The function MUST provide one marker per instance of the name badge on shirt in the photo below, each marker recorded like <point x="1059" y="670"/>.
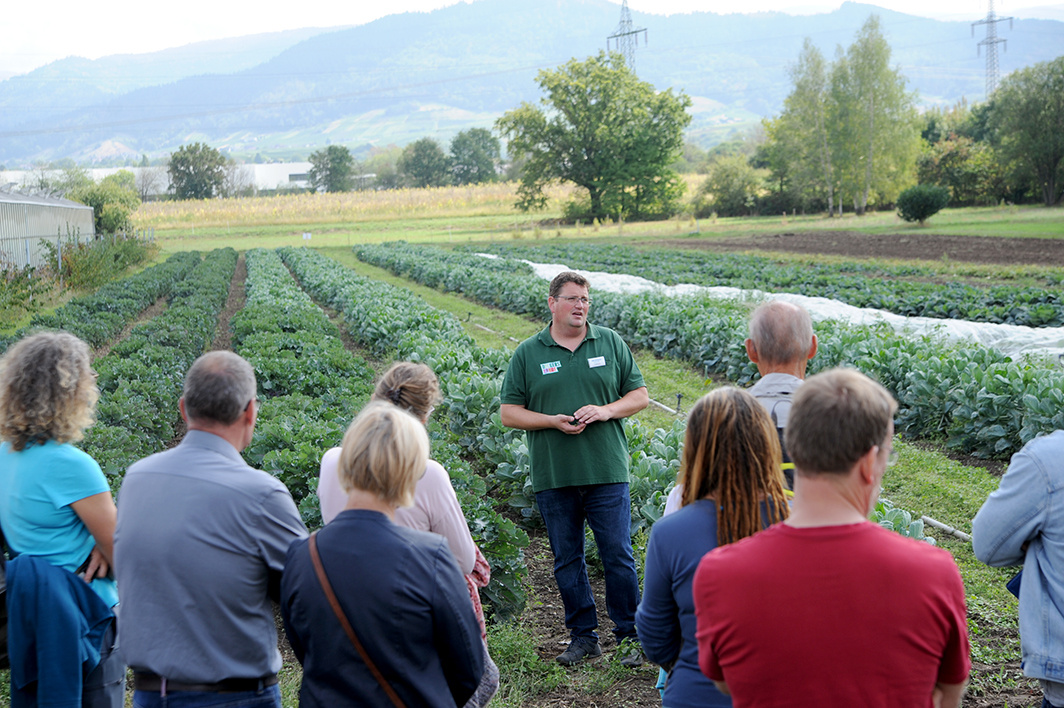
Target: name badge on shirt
<point x="550" y="367"/>
<point x="596" y="361"/>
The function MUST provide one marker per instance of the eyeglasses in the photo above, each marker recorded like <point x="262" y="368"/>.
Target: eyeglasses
<point x="257" y="402"/>
<point x="892" y="456"/>
<point x="573" y="299"/>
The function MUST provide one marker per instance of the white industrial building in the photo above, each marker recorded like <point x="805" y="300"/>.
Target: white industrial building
<point x="27" y="222"/>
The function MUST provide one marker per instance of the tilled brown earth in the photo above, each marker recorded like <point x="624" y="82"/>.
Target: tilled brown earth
<point x="909" y="246"/>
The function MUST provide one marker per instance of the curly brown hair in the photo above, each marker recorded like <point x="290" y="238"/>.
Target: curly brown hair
<point x="47" y="390"/>
<point x="732" y="453"/>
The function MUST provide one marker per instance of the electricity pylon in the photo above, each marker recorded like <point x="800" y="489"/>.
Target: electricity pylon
<point x="626" y="38"/>
<point x="991" y="42"/>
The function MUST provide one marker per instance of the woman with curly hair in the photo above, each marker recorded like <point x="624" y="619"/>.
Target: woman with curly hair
<point x="56" y="508"/>
<point x="732" y="488"/>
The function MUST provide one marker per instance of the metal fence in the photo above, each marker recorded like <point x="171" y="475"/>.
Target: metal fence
<point x="27" y="223"/>
<point x="17" y="253"/>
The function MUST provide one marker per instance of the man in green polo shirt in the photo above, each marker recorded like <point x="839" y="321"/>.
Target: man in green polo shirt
<point x="569" y="387"/>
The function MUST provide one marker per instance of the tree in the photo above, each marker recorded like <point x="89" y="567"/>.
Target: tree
<point x="332" y="169"/>
<point x="969" y="169"/>
<point x="424" y="164"/>
<point x="113" y="200"/>
<point x="381" y="164"/>
<point x="604" y="130"/>
<point x="730" y="189"/>
<point x="1027" y="119"/>
<point x="197" y="171"/>
<point x="474" y="154"/>
<point x="151" y="181"/>
<point x="875" y="126"/>
<point x="850" y="128"/>
<point x="804" y="130"/>
<point x="238" y="181"/>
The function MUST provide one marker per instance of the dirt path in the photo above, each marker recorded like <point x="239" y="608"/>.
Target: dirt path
<point x="545" y="618"/>
<point x="223" y="336"/>
<point x="909" y="246"/>
<point x="149" y="313"/>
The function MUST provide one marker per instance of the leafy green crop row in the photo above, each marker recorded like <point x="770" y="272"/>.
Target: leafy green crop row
<point x="977" y="399"/>
<point x="140" y="379"/>
<point x="99" y="317"/>
<point x="881" y="287"/>
<point x="311" y="385"/>
<point x="393" y="321"/>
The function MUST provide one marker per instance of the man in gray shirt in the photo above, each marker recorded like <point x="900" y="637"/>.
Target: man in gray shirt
<point x="781" y="343"/>
<point x="199" y="548"/>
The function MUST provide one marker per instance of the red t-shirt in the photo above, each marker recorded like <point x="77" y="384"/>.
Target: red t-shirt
<point x="840" y="616"/>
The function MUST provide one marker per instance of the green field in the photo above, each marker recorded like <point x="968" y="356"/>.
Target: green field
<point x="925" y="481"/>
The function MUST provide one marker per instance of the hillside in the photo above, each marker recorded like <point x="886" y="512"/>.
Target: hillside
<point x="414" y="74"/>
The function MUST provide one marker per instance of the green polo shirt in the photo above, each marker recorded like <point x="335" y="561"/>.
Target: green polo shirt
<point x="545" y="377"/>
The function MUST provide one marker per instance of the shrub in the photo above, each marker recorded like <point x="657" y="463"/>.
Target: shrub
<point x="730" y="189"/>
<point x="921" y="202"/>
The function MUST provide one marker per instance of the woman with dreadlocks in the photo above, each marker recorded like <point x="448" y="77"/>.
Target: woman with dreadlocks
<point x="415" y="389"/>
<point x="732" y="488"/>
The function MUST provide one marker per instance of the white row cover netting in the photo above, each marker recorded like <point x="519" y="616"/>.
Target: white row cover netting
<point x="1013" y="340"/>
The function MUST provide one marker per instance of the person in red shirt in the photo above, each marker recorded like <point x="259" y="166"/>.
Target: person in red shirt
<point x="827" y="608"/>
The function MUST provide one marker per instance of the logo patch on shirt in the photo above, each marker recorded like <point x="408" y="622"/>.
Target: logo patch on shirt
<point x="596" y="361"/>
<point x="550" y="367"/>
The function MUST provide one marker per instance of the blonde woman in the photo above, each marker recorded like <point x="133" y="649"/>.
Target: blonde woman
<point x="399" y="588"/>
<point x="414" y="388"/>
<point x="733" y="487"/>
<point x="56" y="510"/>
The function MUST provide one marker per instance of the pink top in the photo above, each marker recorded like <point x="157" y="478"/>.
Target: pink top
<point x="435" y="507"/>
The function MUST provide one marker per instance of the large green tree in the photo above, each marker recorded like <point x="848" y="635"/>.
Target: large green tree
<point x="474" y="154"/>
<point x="424" y="164"/>
<point x="601" y="128"/>
<point x="848" y="129"/>
<point x="197" y="171"/>
<point x="802" y="133"/>
<point x="1027" y="119"/>
<point x="332" y="169"/>
<point x="875" y="125"/>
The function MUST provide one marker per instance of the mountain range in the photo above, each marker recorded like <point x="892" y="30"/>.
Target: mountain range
<point x="405" y="76"/>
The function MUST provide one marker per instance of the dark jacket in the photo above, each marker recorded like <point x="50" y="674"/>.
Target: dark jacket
<point x="404" y="595"/>
<point x="56" y="626"/>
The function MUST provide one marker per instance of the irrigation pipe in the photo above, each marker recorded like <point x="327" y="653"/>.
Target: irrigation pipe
<point x="946" y="529"/>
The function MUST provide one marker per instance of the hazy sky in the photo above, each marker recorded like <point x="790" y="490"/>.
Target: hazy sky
<point x="34" y="34"/>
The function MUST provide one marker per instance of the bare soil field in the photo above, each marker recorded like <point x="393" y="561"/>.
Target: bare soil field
<point x="909" y="246"/>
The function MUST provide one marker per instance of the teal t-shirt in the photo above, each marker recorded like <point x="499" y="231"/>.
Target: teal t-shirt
<point x="37" y="486"/>
<point x="545" y="377"/>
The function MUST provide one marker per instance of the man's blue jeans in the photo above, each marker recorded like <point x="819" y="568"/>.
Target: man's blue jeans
<point x="268" y="697"/>
<point x="607" y="509"/>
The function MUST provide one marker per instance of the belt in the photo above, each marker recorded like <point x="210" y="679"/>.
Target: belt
<point x="146" y="681"/>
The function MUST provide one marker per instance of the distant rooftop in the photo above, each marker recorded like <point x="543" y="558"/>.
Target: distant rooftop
<point x="20" y="198"/>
